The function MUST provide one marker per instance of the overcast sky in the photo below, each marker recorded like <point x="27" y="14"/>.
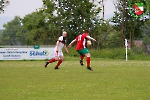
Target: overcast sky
<point x="23" y="7"/>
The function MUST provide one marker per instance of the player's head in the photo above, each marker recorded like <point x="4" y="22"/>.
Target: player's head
<point x="64" y="34"/>
<point x="86" y="31"/>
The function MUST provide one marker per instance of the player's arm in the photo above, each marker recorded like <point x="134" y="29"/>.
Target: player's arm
<point x="57" y="44"/>
<point x="66" y="48"/>
<point x="90" y="38"/>
<point x="73" y="41"/>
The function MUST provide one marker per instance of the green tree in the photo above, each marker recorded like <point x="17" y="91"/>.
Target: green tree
<point x="146" y="32"/>
<point x="106" y="36"/>
<point x="3" y="4"/>
<point x="128" y="26"/>
<point x="74" y="16"/>
<point x="13" y="33"/>
<point x="45" y="25"/>
<point x="34" y="24"/>
<point x="41" y="26"/>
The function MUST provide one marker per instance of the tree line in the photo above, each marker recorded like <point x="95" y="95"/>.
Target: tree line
<point x="46" y="24"/>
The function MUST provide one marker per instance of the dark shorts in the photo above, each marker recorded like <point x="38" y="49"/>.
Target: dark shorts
<point x="83" y="51"/>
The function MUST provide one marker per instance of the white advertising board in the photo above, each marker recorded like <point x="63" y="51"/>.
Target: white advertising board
<point x="26" y="53"/>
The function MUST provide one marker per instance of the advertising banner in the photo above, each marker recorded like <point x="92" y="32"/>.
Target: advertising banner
<point x="26" y="53"/>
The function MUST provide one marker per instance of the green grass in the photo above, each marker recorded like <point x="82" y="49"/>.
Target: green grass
<point x="110" y="80"/>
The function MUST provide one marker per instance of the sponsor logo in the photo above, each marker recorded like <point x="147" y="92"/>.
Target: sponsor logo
<point x="38" y="53"/>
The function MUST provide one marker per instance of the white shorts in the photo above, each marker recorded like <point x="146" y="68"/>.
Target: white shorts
<point x="58" y="54"/>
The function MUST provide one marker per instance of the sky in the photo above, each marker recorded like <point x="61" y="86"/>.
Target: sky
<point x="24" y="7"/>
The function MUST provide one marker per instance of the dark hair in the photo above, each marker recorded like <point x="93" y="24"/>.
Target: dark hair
<point x="86" y="31"/>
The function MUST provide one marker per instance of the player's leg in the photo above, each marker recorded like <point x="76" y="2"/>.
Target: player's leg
<point x="81" y="59"/>
<point x="88" y="60"/>
<point x="81" y="56"/>
<point x="86" y="53"/>
<point x="53" y="59"/>
<point x="61" y="58"/>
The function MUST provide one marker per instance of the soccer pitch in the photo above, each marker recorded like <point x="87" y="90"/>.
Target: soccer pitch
<point x="109" y="80"/>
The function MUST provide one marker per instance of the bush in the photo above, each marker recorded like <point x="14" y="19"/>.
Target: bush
<point x="115" y="53"/>
<point x="138" y="50"/>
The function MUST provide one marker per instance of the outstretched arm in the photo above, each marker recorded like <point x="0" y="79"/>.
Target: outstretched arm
<point x="88" y="37"/>
<point x="66" y="48"/>
<point x="73" y="41"/>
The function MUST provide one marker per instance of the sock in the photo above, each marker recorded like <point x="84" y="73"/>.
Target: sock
<point x="81" y="57"/>
<point x="88" y="61"/>
<point x="52" y="60"/>
<point x="59" y="62"/>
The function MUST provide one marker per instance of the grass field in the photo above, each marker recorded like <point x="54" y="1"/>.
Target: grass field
<point x="110" y="80"/>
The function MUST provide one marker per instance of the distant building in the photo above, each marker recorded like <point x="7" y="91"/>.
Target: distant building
<point x="139" y="43"/>
<point x="148" y="48"/>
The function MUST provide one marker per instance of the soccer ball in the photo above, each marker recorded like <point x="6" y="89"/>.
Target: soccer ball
<point x="88" y="43"/>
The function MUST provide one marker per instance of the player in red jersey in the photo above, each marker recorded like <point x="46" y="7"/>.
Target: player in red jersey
<point x="58" y="50"/>
<point x="81" y="47"/>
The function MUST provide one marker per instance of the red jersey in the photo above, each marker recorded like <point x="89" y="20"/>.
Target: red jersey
<point x="81" y="41"/>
